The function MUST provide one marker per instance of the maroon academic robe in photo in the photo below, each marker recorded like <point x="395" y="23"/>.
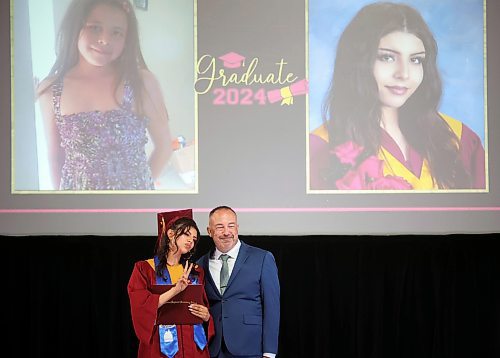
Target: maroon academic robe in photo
<point x="144" y="307"/>
<point x="414" y="170"/>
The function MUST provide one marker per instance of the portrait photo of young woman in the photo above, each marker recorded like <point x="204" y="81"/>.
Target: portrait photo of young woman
<point x="391" y="116"/>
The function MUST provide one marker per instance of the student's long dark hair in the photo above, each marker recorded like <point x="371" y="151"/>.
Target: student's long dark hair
<point x="128" y="65"/>
<point x="352" y="110"/>
<point x="179" y="227"/>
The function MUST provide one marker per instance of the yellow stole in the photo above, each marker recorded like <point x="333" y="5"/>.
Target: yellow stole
<point x="394" y="167"/>
<point x="175" y="272"/>
<point x="424" y="181"/>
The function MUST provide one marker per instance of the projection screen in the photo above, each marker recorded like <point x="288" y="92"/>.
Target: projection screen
<point x="305" y="116"/>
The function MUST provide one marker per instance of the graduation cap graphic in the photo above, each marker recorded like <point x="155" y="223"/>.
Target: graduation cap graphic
<point x="232" y="60"/>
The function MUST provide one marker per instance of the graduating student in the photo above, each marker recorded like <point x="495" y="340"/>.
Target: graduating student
<point x="177" y="238"/>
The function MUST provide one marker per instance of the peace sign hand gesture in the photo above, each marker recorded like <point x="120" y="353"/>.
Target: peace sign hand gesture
<point x="184" y="280"/>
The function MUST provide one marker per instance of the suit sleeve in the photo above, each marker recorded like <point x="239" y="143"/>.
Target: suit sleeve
<point x="143" y="304"/>
<point x="270" y="291"/>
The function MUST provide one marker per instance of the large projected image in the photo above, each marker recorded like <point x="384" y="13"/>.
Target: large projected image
<point x="103" y="96"/>
<point x="403" y="104"/>
<point x="306" y="116"/>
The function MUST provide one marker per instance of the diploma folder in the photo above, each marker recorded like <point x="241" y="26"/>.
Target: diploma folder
<point x="176" y="310"/>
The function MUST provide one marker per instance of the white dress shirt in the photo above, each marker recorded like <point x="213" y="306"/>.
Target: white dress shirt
<point x="215" y="263"/>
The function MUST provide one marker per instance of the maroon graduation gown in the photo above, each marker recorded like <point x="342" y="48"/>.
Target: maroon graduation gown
<point x="144" y="306"/>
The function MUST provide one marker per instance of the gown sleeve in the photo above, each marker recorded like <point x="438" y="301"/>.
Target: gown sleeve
<point x="318" y="162"/>
<point x="209" y="326"/>
<point x="473" y="157"/>
<point x="143" y="304"/>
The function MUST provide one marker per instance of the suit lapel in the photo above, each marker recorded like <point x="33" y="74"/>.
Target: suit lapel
<point x="208" y="274"/>
<point x="240" y="260"/>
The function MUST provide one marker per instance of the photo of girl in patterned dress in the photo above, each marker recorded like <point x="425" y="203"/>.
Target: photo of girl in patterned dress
<point x="99" y="100"/>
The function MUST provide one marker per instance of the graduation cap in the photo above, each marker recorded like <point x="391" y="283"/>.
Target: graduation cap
<point x="166" y="219"/>
<point x="232" y="60"/>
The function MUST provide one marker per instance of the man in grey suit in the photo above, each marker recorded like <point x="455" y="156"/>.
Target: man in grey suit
<point x="241" y="282"/>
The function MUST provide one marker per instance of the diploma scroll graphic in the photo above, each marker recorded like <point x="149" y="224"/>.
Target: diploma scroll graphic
<point x="286" y="94"/>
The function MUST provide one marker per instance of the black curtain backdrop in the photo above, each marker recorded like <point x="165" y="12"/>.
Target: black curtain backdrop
<point x="341" y="296"/>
